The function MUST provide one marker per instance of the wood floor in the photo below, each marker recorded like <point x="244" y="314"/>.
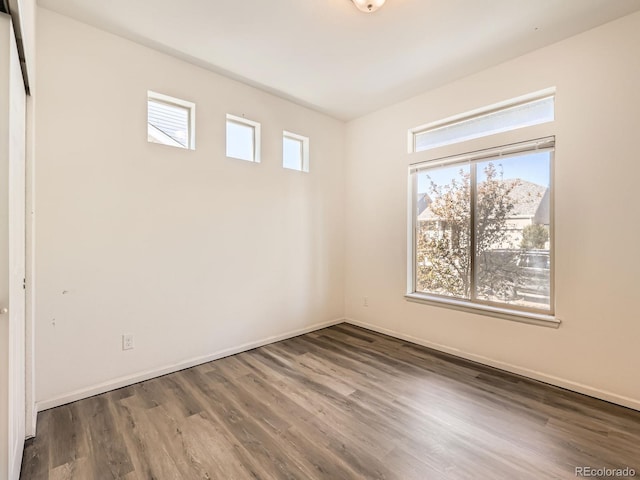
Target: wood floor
<point x="339" y="403"/>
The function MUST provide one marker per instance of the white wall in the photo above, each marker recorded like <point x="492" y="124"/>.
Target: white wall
<point x="192" y="252"/>
<point x="597" y="222"/>
<point x="197" y="254"/>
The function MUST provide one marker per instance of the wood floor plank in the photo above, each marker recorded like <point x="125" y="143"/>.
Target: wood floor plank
<point x="78" y="469"/>
<point x="341" y="403"/>
<point x="313" y="428"/>
<point x="62" y="423"/>
<point x="154" y="448"/>
<point x="130" y="417"/>
<point x="329" y="405"/>
<point x="106" y="453"/>
<point x="35" y="458"/>
<point x="251" y="435"/>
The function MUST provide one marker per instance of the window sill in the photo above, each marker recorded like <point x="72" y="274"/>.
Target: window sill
<point x="503" y="313"/>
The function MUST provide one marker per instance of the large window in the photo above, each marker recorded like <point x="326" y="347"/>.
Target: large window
<point x="481" y="236"/>
<point x="482" y="228"/>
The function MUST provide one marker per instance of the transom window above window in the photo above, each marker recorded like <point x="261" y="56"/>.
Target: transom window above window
<point x="518" y="113"/>
<point x="170" y="121"/>
<point x="243" y="139"/>
<point x="295" y="152"/>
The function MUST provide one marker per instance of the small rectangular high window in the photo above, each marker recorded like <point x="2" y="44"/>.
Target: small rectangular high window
<point x="170" y="121"/>
<point x="243" y="139"/>
<point x="295" y="152"/>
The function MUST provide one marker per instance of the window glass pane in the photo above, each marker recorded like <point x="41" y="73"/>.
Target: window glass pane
<point x="504" y="120"/>
<point x="168" y="124"/>
<point x="291" y="153"/>
<point x="443" y="224"/>
<point x="240" y="141"/>
<point x="512" y="222"/>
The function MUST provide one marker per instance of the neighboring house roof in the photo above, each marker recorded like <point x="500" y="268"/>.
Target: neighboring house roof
<point x="423" y="202"/>
<point x="156" y="135"/>
<point x="527" y="197"/>
<point x="530" y="201"/>
<point x="167" y="121"/>
<point x="543" y="214"/>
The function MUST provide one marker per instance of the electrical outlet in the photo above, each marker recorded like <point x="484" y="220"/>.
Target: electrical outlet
<point x="127" y="341"/>
<point x="365" y="302"/>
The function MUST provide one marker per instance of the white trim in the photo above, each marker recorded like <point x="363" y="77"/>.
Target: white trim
<point x="156" y="372"/>
<point x="508" y="367"/>
<point x="412" y="218"/>
<point x="487" y="310"/>
<point x="30" y="273"/>
<point x="542" y="130"/>
<point x="538" y="145"/>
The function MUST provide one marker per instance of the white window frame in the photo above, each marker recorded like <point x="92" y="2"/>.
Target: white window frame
<point x="255" y="126"/>
<point x="304" y="151"/>
<point x="176" y="102"/>
<point x="474" y="150"/>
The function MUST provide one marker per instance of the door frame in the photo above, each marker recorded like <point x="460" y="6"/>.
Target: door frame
<point x="23" y="16"/>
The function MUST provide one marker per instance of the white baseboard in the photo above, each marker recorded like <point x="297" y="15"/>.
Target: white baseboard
<point x="148" y="374"/>
<point x="157" y="372"/>
<point x="525" y="372"/>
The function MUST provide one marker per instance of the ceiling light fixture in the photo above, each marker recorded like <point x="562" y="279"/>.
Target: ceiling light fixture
<point x="368" y="6"/>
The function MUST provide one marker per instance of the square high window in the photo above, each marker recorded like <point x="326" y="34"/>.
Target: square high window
<point x="243" y="139"/>
<point x="170" y="121"/>
<point x="295" y="152"/>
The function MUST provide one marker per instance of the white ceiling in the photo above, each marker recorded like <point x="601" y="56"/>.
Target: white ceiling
<point x="327" y="55"/>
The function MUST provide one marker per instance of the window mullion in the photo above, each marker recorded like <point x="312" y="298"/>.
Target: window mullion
<point x="473" y="203"/>
<point x="414" y="230"/>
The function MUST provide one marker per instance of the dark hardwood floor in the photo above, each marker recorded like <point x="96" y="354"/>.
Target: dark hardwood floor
<point x="339" y="403"/>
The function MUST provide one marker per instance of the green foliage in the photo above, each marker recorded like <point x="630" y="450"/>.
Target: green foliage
<point x="443" y="243"/>
<point x="534" y="236"/>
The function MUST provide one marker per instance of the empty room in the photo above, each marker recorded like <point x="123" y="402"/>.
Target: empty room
<point x="328" y="239"/>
